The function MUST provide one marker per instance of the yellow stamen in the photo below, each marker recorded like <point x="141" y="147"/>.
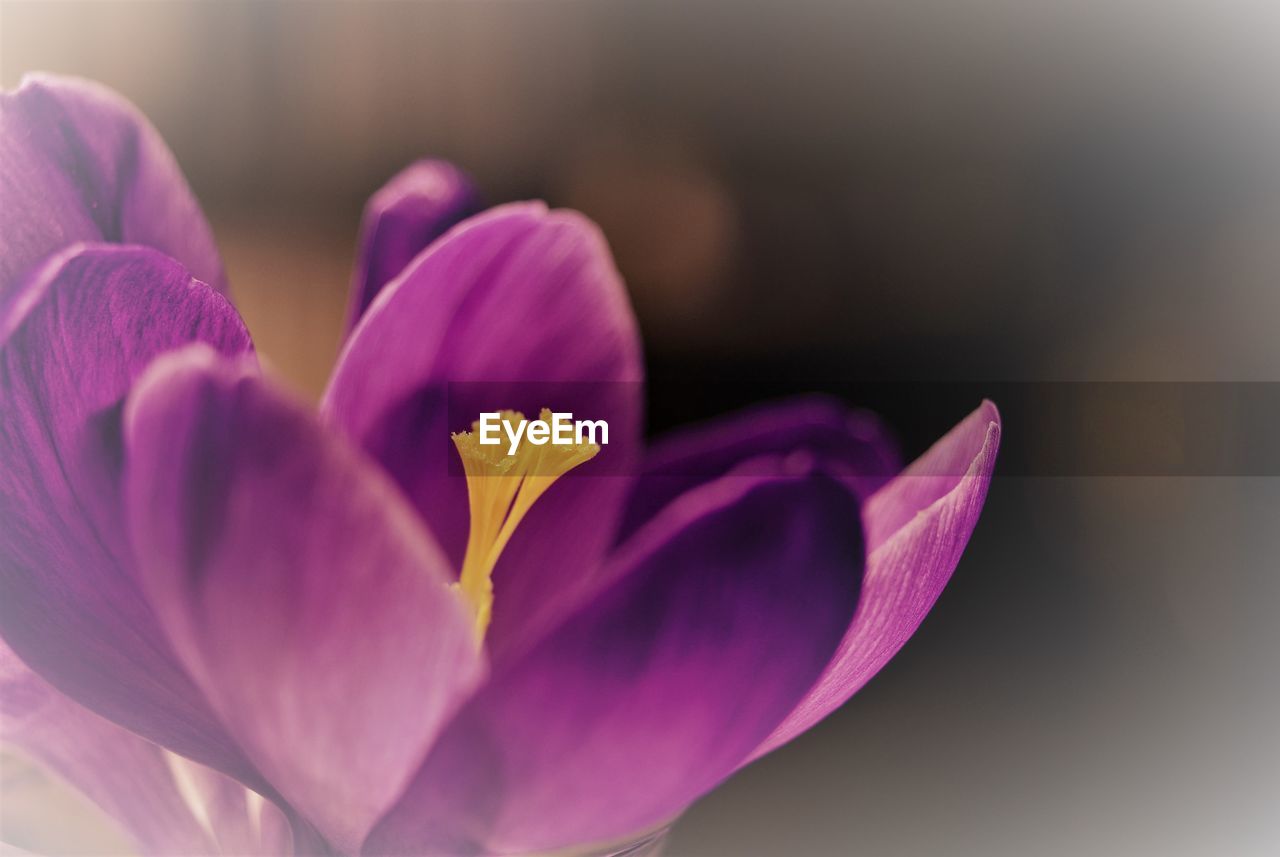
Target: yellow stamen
<point x="501" y="488"/>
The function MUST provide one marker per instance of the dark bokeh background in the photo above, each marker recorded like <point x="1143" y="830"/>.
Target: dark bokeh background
<point x="842" y="197"/>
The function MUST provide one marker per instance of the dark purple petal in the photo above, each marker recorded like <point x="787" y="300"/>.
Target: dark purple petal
<point x="728" y="606"/>
<point x="79" y="163"/>
<point x="917" y="527"/>
<point x="299" y="589"/>
<point x="409" y="212"/>
<point x="852" y="445"/>
<point x="526" y="305"/>
<point x="81" y="330"/>
<point x="123" y="774"/>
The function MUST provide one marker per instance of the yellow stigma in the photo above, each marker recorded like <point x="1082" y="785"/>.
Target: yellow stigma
<point x="501" y="488"/>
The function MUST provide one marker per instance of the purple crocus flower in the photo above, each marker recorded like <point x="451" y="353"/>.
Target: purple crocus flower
<point x="242" y="626"/>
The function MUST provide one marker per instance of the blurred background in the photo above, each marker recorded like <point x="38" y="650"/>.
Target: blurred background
<point x="911" y="205"/>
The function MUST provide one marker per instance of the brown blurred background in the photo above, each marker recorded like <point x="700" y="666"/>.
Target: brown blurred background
<point x="821" y="195"/>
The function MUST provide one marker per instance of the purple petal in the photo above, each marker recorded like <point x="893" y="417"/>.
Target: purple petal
<point x="526" y="305"/>
<point x="729" y="605"/>
<point x="917" y="527"/>
<point x="853" y="445"/>
<point x="240" y="821"/>
<point x="168" y="805"/>
<point x="409" y="212"/>
<point x="299" y="589"/>
<point x="79" y="163"/>
<point x="83" y="327"/>
<point x="123" y="774"/>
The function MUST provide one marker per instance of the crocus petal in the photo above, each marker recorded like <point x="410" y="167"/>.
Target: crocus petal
<point x="917" y="527"/>
<point x="516" y="308"/>
<point x="853" y="445"/>
<point x="79" y="163"/>
<point x="408" y="213"/>
<point x="83" y="327"/>
<point x="727" y="608"/>
<point x="299" y="589"/>
<point x="123" y="774"/>
<point x="241" y="822"/>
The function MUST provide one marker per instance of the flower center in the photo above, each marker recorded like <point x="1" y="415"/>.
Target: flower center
<point x="501" y="488"/>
